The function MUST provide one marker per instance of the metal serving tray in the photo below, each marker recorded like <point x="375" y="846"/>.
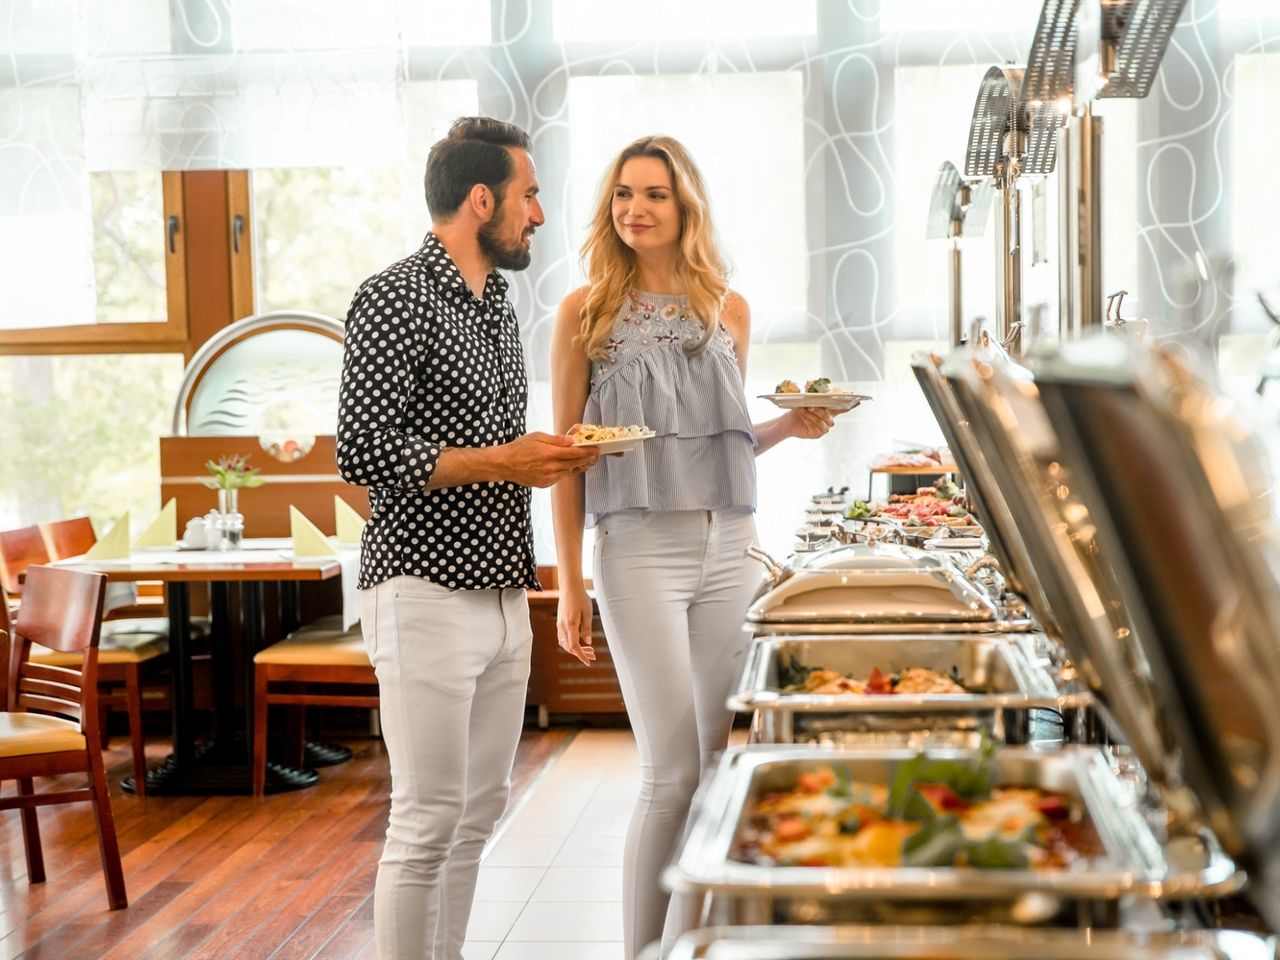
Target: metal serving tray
<point x="931" y="595"/>
<point x="1002" y="674"/>
<point x="964" y="943"/>
<point x="1137" y="864"/>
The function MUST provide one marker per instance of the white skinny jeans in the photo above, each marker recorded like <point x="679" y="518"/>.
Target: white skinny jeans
<point x="453" y="668"/>
<point x="673" y="590"/>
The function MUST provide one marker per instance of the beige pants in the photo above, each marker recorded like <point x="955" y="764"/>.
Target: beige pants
<point x="673" y="591"/>
<point x="453" y="668"/>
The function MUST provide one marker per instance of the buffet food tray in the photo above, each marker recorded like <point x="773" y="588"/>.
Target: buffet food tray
<point x="1004" y="677"/>
<point x="1136" y="863"/>
<point x="964" y="943"/>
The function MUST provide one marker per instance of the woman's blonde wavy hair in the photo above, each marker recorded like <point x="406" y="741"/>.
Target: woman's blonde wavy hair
<point x="610" y="264"/>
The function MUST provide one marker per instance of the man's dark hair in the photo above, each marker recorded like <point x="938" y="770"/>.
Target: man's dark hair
<point x="474" y="151"/>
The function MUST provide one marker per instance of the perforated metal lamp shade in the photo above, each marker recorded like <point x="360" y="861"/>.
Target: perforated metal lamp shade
<point x="1127" y="40"/>
<point x="951" y="212"/>
<point x="1007" y="127"/>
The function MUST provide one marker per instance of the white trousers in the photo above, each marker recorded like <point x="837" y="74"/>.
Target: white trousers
<point x="673" y="589"/>
<point x="453" y="669"/>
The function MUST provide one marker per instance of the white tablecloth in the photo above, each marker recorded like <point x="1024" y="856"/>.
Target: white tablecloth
<point x="262" y="550"/>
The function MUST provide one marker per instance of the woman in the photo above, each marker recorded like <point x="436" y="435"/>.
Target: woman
<point x="657" y="338"/>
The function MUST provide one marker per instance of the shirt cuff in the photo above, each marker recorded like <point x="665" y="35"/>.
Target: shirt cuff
<point x="418" y="459"/>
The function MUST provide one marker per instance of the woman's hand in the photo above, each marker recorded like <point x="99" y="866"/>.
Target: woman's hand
<point x="809" y="423"/>
<point x="573" y="623"/>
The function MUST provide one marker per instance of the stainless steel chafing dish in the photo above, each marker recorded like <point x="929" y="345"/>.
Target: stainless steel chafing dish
<point x="987" y="498"/>
<point x="872" y="593"/>
<point x="1004" y="678"/>
<point x="1175" y="481"/>
<point x="1150" y="498"/>
<point x="1138" y="863"/>
<point x="964" y="943"/>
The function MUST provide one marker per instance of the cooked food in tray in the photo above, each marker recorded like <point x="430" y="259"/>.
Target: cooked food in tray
<point x="796" y="677"/>
<point x="933" y="813"/>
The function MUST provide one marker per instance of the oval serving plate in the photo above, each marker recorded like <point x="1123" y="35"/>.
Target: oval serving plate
<point x="618" y="444"/>
<point x="827" y="401"/>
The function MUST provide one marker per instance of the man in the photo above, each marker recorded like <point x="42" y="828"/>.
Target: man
<point x="432" y="418"/>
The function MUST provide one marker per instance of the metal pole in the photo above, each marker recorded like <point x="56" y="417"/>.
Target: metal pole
<point x="1080" y="274"/>
<point x="1089" y="243"/>
<point x="1009" y="260"/>
<point x="956" y="314"/>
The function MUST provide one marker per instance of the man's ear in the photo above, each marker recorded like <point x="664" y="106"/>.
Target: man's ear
<point x="481" y="200"/>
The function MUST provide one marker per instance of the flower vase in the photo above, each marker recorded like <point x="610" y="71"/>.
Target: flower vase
<point x="230" y="520"/>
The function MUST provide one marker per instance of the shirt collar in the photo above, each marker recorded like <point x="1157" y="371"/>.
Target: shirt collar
<point x="448" y="275"/>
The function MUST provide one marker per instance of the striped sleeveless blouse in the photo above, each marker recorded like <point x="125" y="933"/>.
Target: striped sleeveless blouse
<point x="702" y="456"/>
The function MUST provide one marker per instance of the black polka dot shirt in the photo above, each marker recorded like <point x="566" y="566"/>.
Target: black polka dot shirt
<point x="427" y="366"/>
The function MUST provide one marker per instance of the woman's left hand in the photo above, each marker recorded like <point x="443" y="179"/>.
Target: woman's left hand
<point x="809" y="423"/>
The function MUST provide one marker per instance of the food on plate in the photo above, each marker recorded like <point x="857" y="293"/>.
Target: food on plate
<point x="816" y="385"/>
<point x="859" y="510"/>
<point x="933" y="813"/>
<point x="795" y="677"/>
<point x="936" y="506"/>
<point x="594" y="433"/>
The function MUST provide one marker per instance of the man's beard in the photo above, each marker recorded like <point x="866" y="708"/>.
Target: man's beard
<point x="503" y="256"/>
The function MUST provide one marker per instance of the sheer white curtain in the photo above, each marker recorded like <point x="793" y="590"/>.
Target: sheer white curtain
<point x="820" y="125"/>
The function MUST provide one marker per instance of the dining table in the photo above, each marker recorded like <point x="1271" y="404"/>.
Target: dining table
<point x="221" y="765"/>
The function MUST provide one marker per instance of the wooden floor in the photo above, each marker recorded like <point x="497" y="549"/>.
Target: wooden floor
<point x="216" y="878"/>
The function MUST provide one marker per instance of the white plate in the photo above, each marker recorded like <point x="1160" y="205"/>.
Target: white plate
<point x="620" y="445"/>
<point x="826" y="401"/>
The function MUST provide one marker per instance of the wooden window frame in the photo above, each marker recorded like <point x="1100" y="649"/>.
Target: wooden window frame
<point x="208" y="275"/>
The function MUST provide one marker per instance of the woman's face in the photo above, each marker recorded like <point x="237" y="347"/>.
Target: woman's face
<point x="645" y="212"/>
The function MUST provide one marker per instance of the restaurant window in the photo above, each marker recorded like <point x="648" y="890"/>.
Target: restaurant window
<point x="715" y="20"/>
<point x="1255" y="207"/>
<point x="321" y="231"/>
<point x="342" y="25"/>
<point x="931" y="113"/>
<point x="82" y="432"/>
<point x="958" y="16"/>
<point x="128" y="246"/>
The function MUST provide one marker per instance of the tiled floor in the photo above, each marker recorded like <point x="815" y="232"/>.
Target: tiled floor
<point x="551" y="883"/>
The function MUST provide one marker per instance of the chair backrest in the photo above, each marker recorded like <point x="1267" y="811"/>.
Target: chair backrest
<point x="19" y="549"/>
<point x="62" y="610"/>
<point x="68" y="538"/>
<point x="6" y="644"/>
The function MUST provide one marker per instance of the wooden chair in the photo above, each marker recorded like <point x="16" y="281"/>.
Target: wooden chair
<point x="51" y="726"/>
<point x="76" y="536"/>
<point x="302" y="670"/>
<point x="125" y="645"/>
<point x="19" y="549"/>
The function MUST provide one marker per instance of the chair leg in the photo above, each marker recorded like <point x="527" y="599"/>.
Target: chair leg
<point x="31" y="834"/>
<point x="108" y="847"/>
<point x="259" y="730"/>
<point x="104" y="722"/>
<point x="133" y="698"/>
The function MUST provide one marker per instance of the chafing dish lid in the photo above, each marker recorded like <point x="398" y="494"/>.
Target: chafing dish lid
<point x="988" y="499"/>
<point x="1180" y="483"/>
<point x="932" y="592"/>
<point x="1093" y="621"/>
<point x="863" y="556"/>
